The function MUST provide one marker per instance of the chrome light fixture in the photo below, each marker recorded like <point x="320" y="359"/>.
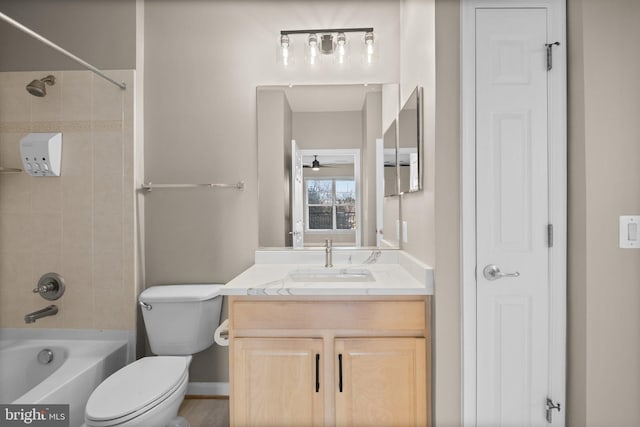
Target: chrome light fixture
<point x="327" y="43"/>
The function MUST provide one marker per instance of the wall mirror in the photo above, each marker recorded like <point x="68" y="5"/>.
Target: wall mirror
<point x="321" y="167"/>
<point x="410" y="144"/>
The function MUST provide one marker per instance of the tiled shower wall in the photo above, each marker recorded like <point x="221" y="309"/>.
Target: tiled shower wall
<point x="81" y="224"/>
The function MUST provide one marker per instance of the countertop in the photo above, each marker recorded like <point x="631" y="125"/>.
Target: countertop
<point x="394" y="272"/>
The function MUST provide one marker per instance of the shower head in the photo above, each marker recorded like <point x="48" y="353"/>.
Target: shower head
<point x="38" y="87"/>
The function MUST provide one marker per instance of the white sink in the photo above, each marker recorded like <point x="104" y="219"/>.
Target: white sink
<point x="331" y="275"/>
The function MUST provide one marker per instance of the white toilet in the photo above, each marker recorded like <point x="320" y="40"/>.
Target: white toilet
<point x="180" y="320"/>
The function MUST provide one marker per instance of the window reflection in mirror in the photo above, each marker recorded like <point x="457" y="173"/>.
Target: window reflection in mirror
<point x="340" y="128"/>
<point x="410" y="148"/>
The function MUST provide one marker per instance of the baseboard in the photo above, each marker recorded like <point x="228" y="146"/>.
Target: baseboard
<point x="208" y="389"/>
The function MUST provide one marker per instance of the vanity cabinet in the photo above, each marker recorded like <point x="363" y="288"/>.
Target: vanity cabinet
<point x="329" y="361"/>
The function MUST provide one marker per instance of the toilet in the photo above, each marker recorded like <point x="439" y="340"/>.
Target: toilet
<point x="180" y="320"/>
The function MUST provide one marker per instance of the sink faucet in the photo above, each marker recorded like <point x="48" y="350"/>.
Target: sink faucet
<point x="47" y="311"/>
<point x="328" y="248"/>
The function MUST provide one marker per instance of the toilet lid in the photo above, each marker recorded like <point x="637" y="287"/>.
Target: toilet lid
<point x="136" y="386"/>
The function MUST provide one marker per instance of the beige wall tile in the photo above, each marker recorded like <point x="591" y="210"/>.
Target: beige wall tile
<point x="76" y="95"/>
<point x="77" y="229"/>
<point x="46" y="232"/>
<point x="127" y="77"/>
<point x="77" y="270"/>
<point x="49" y="107"/>
<point x="107" y="233"/>
<point x="16" y="286"/>
<point x="77" y="196"/>
<point x="15" y="193"/>
<point x="46" y="262"/>
<point x="73" y="225"/>
<point x="77" y="154"/>
<point x="107" y="100"/>
<point x="107" y="153"/>
<point x="110" y="312"/>
<point x="10" y="148"/>
<point x="107" y="194"/>
<point x="15" y="271"/>
<point x="15" y="233"/>
<point x="46" y="194"/>
<point x="107" y="270"/>
<point x="15" y="101"/>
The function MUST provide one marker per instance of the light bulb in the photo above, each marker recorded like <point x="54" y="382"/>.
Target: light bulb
<point x="369" y="50"/>
<point x="341" y="48"/>
<point x="312" y="56"/>
<point x="284" y="53"/>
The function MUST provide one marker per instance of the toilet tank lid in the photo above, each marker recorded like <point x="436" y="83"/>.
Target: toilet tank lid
<point x="180" y="293"/>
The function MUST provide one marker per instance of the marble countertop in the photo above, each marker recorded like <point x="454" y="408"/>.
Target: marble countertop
<point x="394" y="272"/>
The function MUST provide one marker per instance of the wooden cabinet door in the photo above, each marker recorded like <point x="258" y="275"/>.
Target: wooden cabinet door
<point x="276" y="382"/>
<point x="383" y="382"/>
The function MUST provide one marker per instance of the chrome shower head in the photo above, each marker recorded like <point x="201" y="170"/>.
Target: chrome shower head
<point x="38" y="87"/>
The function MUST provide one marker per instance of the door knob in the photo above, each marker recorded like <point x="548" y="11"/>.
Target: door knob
<point x="492" y="272"/>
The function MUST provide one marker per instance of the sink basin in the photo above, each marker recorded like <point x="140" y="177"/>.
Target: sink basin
<point x="331" y="275"/>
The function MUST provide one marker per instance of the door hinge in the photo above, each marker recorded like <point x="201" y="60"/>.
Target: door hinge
<point x="550" y="235"/>
<point x="550" y="407"/>
<point x="549" y="47"/>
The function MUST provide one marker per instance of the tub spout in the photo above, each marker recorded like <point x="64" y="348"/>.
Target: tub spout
<point x="47" y="311"/>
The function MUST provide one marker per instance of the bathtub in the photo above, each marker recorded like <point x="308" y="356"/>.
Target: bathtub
<point x="77" y="367"/>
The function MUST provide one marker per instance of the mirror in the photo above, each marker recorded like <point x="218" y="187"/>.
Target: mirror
<point x="410" y="148"/>
<point x="321" y="166"/>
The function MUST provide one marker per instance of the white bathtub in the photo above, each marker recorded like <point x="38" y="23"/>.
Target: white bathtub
<point x="78" y="366"/>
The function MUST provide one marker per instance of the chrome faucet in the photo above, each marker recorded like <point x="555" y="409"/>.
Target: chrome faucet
<point x="328" y="249"/>
<point x="47" y="311"/>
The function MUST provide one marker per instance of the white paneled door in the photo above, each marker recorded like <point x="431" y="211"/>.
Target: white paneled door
<point x="512" y="216"/>
<point x="297" y="196"/>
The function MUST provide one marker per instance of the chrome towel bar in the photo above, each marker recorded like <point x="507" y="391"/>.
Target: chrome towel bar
<point x="150" y="186"/>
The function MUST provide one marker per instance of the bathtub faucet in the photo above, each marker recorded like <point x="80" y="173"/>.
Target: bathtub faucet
<point x="47" y="311"/>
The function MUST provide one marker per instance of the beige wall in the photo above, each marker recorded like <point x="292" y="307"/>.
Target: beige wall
<point x="430" y="49"/>
<point x="447" y="215"/>
<point x="80" y="225"/>
<point x="274" y="134"/>
<point x="371" y="131"/>
<point x="203" y="62"/>
<point x="101" y="32"/>
<point x="604" y="182"/>
<point x="417" y="67"/>
<point x="328" y="130"/>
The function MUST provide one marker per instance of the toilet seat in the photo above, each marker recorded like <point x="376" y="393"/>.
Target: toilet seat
<point x="136" y="388"/>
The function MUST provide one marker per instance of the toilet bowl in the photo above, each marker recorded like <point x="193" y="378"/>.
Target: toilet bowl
<point x="180" y="320"/>
<point x="145" y="393"/>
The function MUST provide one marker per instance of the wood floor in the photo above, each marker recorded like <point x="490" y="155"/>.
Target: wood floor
<point x="206" y="412"/>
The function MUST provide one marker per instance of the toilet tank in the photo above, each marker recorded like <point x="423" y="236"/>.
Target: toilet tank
<point x="181" y="319"/>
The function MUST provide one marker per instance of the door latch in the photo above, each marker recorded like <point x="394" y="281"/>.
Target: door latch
<point x="550" y="407"/>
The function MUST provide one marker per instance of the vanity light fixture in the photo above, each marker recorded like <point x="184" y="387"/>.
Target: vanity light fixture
<point x="326" y="43"/>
